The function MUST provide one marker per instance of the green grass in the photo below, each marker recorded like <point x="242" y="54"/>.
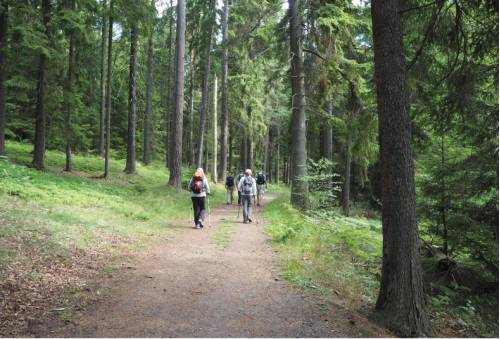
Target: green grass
<point x="328" y="253"/>
<point x="224" y="235"/>
<point x="55" y="211"/>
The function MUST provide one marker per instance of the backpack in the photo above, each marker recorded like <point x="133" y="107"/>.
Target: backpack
<point x="261" y="180"/>
<point x="247" y="185"/>
<point x="229" y="181"/>
<point x="197" y="182"/>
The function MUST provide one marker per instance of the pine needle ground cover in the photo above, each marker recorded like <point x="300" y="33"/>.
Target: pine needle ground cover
<point x="58" y="229"/>
<point x="340" y="258"/>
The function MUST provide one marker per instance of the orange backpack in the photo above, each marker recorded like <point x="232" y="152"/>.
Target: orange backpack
<point x="197" y="182"/>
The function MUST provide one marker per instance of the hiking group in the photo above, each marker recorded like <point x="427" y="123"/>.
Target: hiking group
<point x="247" y="186"/>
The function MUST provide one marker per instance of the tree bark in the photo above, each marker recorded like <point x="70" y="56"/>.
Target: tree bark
<point x="146" y="156"/>
<point x="300" y="189"/>
<point x="204" y="97"/>
<point x="176" y="146"/>
<point x="108" y="91"/>
<point x="68" y="95"/>
<point x="250" y="162"/>
<point x="192" y="148"/>
<point x="401" y="301"/>
<point x="168" y="91"/>
<point x="102" y="85"/>
<point x="278" y="157"/>
<point x="132" y="102"/>
<point x="328" y="138"/>
<point x="214" y="131"/>
<point x="230" y="155"/>
<point x="4" y="14"/>
<point x="225" y="108"/>
<point x="346" y="188"/>
<point x="40" y="114"/>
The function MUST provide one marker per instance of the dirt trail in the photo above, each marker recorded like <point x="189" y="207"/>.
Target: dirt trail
<point x="188" y="287"/>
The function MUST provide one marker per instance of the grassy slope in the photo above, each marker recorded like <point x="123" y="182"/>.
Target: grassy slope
<point x="334" y="255"/>
<point x="77" y="210"/>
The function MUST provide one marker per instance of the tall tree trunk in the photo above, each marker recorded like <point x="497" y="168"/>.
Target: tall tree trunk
<point x="230" y="155"/>
<point x="250" y="139"/>
<point x="214" y="131"/>
<point x="102" y="86"/>
<point x="192" y="147"/>
<point x="443" y="208"/>
<point x="225" y="108"/>
<point x="245" y="150"/>
<point x="328" y="138"/>
<point x="4" y="13"/>
<point x="270" y="155"/>
<point x="68" y="95"/>
<point x="300" y="190"/>
<point x="40" y="114"/>
<point x="168" y="91"/>
<point x="401" y="301"/>
<point x="146" y="156"/>
<point x="266" y="153"/>
<point x="176" y="146"/>
<point x="108" y="91"/>
<point x="278" y="157"/>
<point x="204" y="96"/>
<point x="346" y="188"/>
<point x="132" y="103"/>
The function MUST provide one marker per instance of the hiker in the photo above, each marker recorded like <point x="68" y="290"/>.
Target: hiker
<point x="261" y="183"/>
<point x="241" y="175"/>
<point x="198" y="186"/>
<point x="229" y="189"/>
<point x="248" y="189"/>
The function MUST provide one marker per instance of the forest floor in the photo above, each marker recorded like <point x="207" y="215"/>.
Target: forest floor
<point x="221" y="281"/>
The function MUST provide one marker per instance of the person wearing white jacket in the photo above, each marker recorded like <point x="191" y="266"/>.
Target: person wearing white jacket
<point x="198" y="186"/>
<point x="247" y="188"/>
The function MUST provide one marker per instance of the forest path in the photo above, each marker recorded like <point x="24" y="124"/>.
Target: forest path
<point x="190" y="287"/>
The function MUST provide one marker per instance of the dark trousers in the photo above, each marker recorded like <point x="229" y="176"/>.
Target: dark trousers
<point x="199" y="209"/>
<point x="239" y="198"/>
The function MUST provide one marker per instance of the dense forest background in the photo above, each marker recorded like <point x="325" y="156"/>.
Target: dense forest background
<point x="67" y="66"/>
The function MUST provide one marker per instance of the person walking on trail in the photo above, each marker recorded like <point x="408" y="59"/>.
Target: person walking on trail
<point x="229" y="189"/>
<point x="248" y="188"/>
<point x="261" y="186"/>
<point x="241" y="175"/>
<point x="198" y="186"/>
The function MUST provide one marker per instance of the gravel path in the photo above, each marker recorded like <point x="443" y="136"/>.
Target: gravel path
<point x="189" y="287"/>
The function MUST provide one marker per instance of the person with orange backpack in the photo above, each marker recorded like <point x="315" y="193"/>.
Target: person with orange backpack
<point x="198" y="186"/>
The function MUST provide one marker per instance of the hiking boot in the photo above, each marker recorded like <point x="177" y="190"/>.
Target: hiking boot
<point x="201" y="224"/>
<point x="250" y="220"/>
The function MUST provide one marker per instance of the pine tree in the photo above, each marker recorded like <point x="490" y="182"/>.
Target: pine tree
<point x="300" y="194"/>
<point x="176" y="145"/>
<point x="40" y="113"/>
<point x="401" y="301"/>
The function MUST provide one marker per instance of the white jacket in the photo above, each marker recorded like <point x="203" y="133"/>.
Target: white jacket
<point x="254" y="186"/>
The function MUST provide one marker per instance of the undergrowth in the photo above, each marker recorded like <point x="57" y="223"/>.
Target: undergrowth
<point x="81" y="210"/>
<point x="324" y="252"/>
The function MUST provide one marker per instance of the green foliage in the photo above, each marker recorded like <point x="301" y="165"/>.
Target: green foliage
<point x="324" y="186"/>
<point x="326" y="251"/>
<point x="84" y="211"/>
